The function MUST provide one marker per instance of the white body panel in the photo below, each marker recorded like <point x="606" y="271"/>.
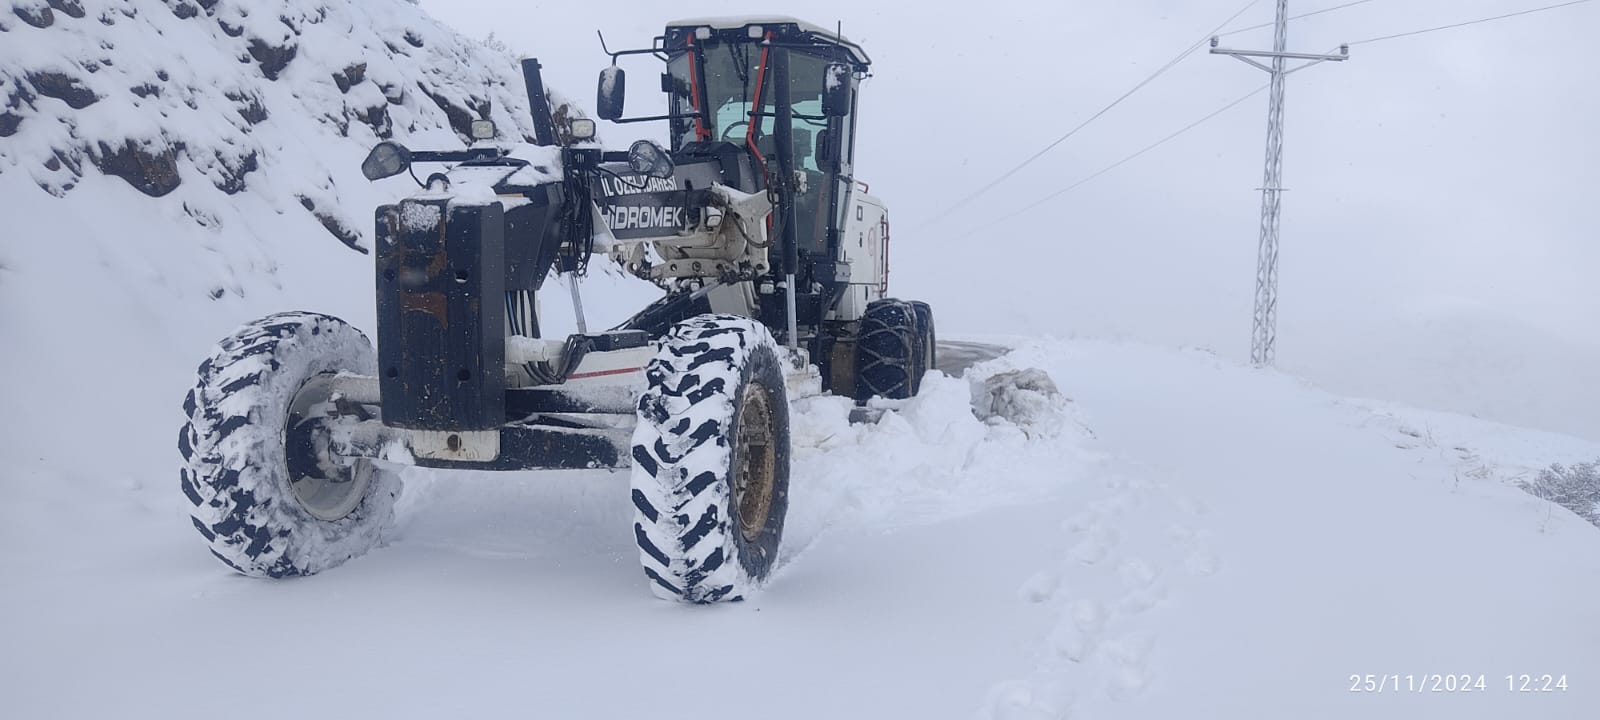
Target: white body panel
<point x="864" y="243"/>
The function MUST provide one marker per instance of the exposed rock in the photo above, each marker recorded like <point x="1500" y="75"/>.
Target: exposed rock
<point x="230" y="30"/>
<point x="338" y="120"/>
<point x="154" y="173"/>
<point x="39" y="17"/>
<point x="233" y="172"/>
<point x="184" y="10"/>
<point x="377" y="118"/>
<point x="19" y="95"/>
<point x="63" y="87"/>
<point x="480" y="106"/>
<point x="10" y="119"/>
<point x="334" y="226"/>
<point x="72" y="8"/>
<point x="460" y="119"/>
<point x="249" y="107"/>
<point x="146" y="90"/>
<point x="273" y="59"/>
<point x="72" y="160"/>
<point x="394" y="93"/>
<point x="350" y="77"/>
<point x="201" y="217"/>
<point x="413" y="38"/>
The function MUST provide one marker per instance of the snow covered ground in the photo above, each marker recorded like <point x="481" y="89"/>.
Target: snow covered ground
<point x="1200" y="540"/>
<point x="1195" y="539"/>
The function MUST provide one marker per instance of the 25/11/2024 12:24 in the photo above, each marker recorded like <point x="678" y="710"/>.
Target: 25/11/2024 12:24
<point x="1454" y="683"/>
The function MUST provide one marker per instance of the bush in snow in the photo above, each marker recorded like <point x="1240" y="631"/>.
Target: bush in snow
<point x="1576" y="488"/>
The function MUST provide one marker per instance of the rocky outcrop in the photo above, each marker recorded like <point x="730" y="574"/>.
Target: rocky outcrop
<point x="201" y="98"/>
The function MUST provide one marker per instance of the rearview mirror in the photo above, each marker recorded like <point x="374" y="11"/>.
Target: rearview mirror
<point x="836" y="90"/>
<point x="387" y="159"/>
<point x="648" y="159"/>
<point x="613" y="87"/>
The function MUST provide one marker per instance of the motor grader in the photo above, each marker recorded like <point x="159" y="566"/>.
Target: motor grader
<point x="772" y="257"/>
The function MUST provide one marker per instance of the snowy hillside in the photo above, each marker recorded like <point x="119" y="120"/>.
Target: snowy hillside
<point x="1181" y="538"/>
<point x="169" y="170"/>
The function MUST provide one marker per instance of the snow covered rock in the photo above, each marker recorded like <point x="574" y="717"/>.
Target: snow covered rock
<point x="223" y="97"/>
<point x="1027" y="398"/>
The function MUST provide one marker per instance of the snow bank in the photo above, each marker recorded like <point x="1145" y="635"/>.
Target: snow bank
<point x="928" y="458"/>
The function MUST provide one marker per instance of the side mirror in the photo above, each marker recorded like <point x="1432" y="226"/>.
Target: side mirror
<point x="387" y="159"/>
<point x="613" y="87"/>
<point x="648" y="159"/>
<point x="836" y="90"/>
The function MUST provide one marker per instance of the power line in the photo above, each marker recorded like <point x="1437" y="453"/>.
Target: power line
<point x="1264" y="318"/>
<point x="1132" y="157"/>
<point x="1469" y="22"/>
<point x="1296" y="17"/>
<point x="1174" y="61"/>
<point x="1257" y="91"/>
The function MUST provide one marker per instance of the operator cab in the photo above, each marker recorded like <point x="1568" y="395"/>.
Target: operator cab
<point x="723" y="87"/>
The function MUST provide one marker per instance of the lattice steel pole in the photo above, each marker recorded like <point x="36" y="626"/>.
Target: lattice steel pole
<point x="1264" y="329"/>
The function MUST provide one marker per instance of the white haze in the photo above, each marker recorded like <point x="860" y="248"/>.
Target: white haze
<point x="1437" y="238"/>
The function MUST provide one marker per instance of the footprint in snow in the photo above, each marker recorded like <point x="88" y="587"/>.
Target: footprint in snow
<point x="1136" y="573"/>
<point x="1039" y="587"/>
<point x="1203" y="561"/>
<point x="1142" y="599"/>
<point x="1090" y="550"/>
<point x="1071" y="642"/>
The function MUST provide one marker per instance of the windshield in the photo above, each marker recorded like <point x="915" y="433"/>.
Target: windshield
<point x="730" y="89"/>
<point x="737" y="84"/>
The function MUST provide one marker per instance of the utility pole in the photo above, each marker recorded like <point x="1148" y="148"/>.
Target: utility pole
<point x="1264" y="333"/>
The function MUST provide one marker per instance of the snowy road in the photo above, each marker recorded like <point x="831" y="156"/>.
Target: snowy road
<point x="1228" y="543"/>
<point x="955" y="356"/>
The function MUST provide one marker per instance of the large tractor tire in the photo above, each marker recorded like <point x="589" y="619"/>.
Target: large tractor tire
<point x="269" y="497"/>
<point x="711" y="460"/>
<point x="927" y="343"/>
<point x="888" y="355"/>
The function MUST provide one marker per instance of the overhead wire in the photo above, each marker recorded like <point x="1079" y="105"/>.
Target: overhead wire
<point x="1257" y="91"/>
<point x="1469" y="22"/>
<point x="1133" y="156"/>
<point x="1295" y="17"/>
<point x="1047" y="148"/>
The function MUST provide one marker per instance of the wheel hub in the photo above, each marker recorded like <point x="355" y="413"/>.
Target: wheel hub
<point x="754" y="478"/>
<point x="328" y="487"/>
